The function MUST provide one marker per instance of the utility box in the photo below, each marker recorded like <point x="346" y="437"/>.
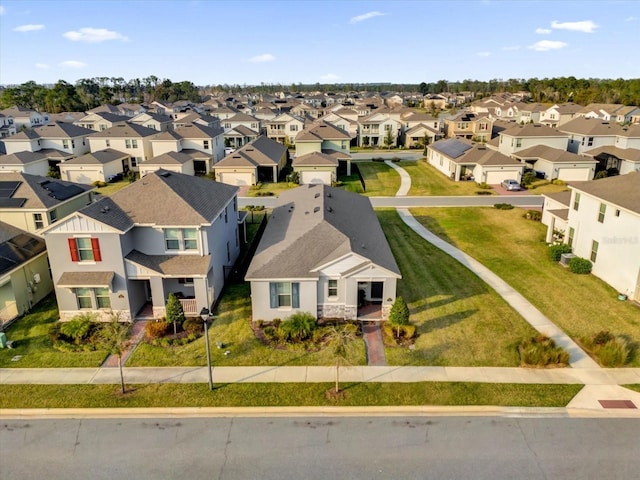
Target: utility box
<point x="565" y="258"/>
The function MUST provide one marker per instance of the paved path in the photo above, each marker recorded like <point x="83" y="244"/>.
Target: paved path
<point x="526" y="201"/>
<point x="372" y="336"/>
<point x="137" y="334"/>
<point x="535" y="318"/>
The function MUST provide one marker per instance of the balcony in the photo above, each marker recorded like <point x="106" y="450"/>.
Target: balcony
<point x="190" y="307"/>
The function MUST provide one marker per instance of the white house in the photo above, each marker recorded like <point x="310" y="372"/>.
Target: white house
<point x="129" y="138"/>
<point x="520" y="137"/>
<point x="558" y="164"/>
<point x="94" y="167"/>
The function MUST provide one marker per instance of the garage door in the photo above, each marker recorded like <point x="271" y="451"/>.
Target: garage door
<point x="574" y="174"/>
<point x="494" y="178"/>
<point x="238" y="179"/>
<point x="316" y="177"/>
<point x="81" y="176"/>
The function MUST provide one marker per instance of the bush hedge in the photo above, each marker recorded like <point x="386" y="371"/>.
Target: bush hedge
<point x="580" y="265"/>
<point x="610" y="350"/>
<point x="556" y="251"/>
<point x="541" y="351"/>
<point x="503" y="206"/>
<point x="534" y="215"/>
<point x="154" y="330"/>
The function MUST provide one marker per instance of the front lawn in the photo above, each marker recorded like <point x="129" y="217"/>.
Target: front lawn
<point x="32" y="345"/>
<point x="270" y="189"/>
<point x="426" y="180"/>
<point x="285" y="394"/>
<point x="232" y="328"/>
<point x="112" y="188"/>
<point x="514" y="249"/>
<point x="459" y="319"/>
<point x="380" y="179"/>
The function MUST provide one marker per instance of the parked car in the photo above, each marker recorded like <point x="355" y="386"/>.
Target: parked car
<point x="511" y="184"/>
<point x="116" y="177"/>
<point x="229" y="150"/>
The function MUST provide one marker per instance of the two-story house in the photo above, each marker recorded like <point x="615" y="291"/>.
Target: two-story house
<point x="67" y="139"/>
<point x="99" y="121"/>
<point x="556" y="163"/>
<point x="166" y="233"/>
<point x="604" y="226"/>
<point x="374" y="129"/>
<point x="262" y="160"/>
<point x="520" y="137"/>
<point x="7" y="126"/>
<point x="152" y="120"/>
<point x="468" y="125"/>
<point x="129" y="138"/>
<point x="559" y="114"/>
<point x="25" y="118"/>
<point x="322" y="153"/>
<point x="586" y="133"/>
<point x="285" y="127"/>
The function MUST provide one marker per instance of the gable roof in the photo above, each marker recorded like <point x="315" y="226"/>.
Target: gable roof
<point x="54" y="130"/>
<point x="163" y="198"/>
<point x="464" y="151"/>
<point x="554" y="155"/>
<point x="591" y="126"/>
<point x="22" y="158"/>
<point x="314" y="225"/>
<point x="315" y="159"/>
<point x="629" y="154"/>
<point x="40" y="192"/>
<point x="125" y="130"/>
<point x="199" y="131"/>
<point x="168" y="158"/>
<point x="621" y="190"/>
<point x="99" y="157"/>
<point x="321" y="130"/>
<point x="532" y="130"/>
<point x="261" y="152"/>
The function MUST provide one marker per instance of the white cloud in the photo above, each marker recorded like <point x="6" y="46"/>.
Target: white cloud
<point x="72" y="64"/>
<point x="329" y="77"/>
<point x="546" y="45"/>
<point x="483" y="54"/>
<point x="41" y="66"/>
<point x="2" y="10"/>
<point x="511" y="48"/>
<point x="265" y="57"/>
<point x="543" y="31"/>
<point x="93" y="35"/>
<point x="365" y="16"/>
<point x="586" y="26"/>
<point x="630" y="19"/>
<point x="28" y="28"/>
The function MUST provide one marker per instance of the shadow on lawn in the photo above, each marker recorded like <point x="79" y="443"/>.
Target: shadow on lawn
<point x="445" y="321"/>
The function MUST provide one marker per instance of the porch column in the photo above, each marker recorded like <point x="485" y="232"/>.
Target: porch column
<point x="157" y="296"/>
<point x="348" y="166"/>
<point x="550" y="229"/>
<point x="275" y="174"/>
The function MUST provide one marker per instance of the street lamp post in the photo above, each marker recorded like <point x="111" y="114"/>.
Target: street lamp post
<point x="204" y="314"/>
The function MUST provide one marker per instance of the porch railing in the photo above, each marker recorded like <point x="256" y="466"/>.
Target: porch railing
<point x="189" y="306"/>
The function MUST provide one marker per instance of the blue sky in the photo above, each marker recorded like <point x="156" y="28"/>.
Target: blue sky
<point x="250" y="42"/>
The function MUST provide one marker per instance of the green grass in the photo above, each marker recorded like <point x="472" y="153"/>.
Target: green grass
<point x="232" y="328"/>
<point x="112" y="188"/>
<point x="380" y="179"/>
<point x="544" y="186"/>
<point x="275" y="188"/>
<point x="460" y="320"/>
<point x="426" y="180"/>
<point x="514" y="249"/>
<point x="285" y="394"/>
<point x="635" y="387"/>
<point x="31" y="340"/>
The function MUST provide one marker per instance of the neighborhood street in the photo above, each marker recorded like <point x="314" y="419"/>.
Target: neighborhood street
<point x="320" y="448"/>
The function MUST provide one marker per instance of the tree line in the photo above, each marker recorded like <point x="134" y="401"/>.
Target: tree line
<point x="88" y="93"/>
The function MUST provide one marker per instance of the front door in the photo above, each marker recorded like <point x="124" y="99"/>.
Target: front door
<point x="376" y="291"/>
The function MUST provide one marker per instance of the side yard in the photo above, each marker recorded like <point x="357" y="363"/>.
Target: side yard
<point x="514" y="249"/>
<point x="461" y="321"/>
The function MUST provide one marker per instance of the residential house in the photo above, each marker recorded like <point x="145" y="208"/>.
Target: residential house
<point x="417" y="127"/>
<point x="224" y="112"/>
<point x="375" y="129"/>
<point x="588" y="133"/>
<point x="622" y="160"/>
<point x="66" y="117"/>
<point x="435" y="102"/>
<point x="529" y="112"/>
<point x="348" y="125"/>
<point x="285" y="127"/>
<point x="152" y="120"/>
<point x="128" y="138"/>
<point x="323" y="252"/>
<point x="604" y="226"/>
<point x="127" y="109"/>
<point x="559" y="114"/>
<point x="57" y="140"/>
<point x="557" y="164"/>
<point x="239" y="136"/>
<point x="99" y="121"/>
<point x="461" y="159"/>
<point x="25" y="118"/>
<point x="520" y="137"/>
<point x="178" y="162"/>
<point x="33" y="202"/>
<point x="322" y="153"/>
<point x="262" y="160"/>
<point x="613" y="112"/>
<point x="7" y="126"/>
<point x="196" y="118"/>
<point x="469" y="125"/>
<point x="34" y="163"/>
<point x="124" y="254"/>
<point x="241" y="119"/>
<point x="24" y="272"/>
<point x="555" y="214"/>
<point x="97" y="166"/>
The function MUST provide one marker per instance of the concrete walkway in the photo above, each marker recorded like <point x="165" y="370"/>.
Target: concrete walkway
<point x="372" y="335"/>
<point x="535" y="318"/>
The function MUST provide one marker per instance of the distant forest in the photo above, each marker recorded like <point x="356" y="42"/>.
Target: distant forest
<point x="88" y="93"/>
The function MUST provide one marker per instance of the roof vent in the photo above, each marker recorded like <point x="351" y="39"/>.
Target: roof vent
<point x="165" y="174"/>
<point x="316" y="209"/>
<point x="328" y="194"/>
<point x="330" y="209"/>
<point x="316" y="195"/>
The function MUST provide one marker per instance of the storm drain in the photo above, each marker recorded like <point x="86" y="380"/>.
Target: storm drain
<point x="617" y="404"/>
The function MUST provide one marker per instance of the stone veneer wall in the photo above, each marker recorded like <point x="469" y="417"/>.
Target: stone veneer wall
<point x="331" y="310"/>
<point x="101" y="315"/>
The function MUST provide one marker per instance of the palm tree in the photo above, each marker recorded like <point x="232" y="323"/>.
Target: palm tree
<point x="114" y="338"/>
<point x="340" y="341"/>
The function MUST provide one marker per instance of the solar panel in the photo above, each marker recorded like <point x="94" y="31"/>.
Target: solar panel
<point x="12" y="202"/>
<point x="452" y="148"/>
<point x="61" y="192"/>
<point x="7" y="188"/>
<point x="18" y="250"/>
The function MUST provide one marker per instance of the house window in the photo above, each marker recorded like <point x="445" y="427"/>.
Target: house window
<point x="127" y="143"/>
<point x="83" y="296"/>
<point x="387" y="128"/>
<point x="590" y="142"/>
<point x="617" y="212"/>
<point x="594" y="251"/>
<point x="108" y="143"/>
<point x="228" y="252"/>
<point x="186" y="281"/>
<point x="53" y="215"/>
<point x="205" y="144"/>
<point x="180" y="239"/>
<point x="85" y="249"/>
<point x="293" y="128"/>
<point x="576" y="201"/>
<point x="65" y="143"/>
<point x="227" y="125"/>
<point x="284" y="294"/>
<point x="73" y="144"/>
<point x="102" y="297"/>
<point x="134" y="143"/>
<point x="226" y="217"/>
<point x="603" y="209"/>
<point x="333" y="288"/>
<point x="518" y="142"/>
<point x="572" y="232"/>
<point x="37" y="220"/>
<point x="134" y="162"/>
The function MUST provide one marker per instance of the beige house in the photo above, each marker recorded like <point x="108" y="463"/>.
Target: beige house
<point x="326" y="139"/>
<point x="323" y="252"/>
<point x="178" y="162"/>
<point x="285" y="127"/>
<point x="154" y="121"/>
<point x="559" y="114"/>
<point x="98" y="166"/>
<point x="129" y="138"/>
<point x="470" y="126"/>
<point x="521" y="137"/>
<point x="262" y="160"/>
<point x="624" y="160"/>
<point x="34" y="163"/>
<point x="99" y="121"/>
<point x="23" y="117"/>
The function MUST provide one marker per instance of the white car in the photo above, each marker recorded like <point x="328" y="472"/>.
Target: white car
<point x="229" y="150"/>
<point x="511" y="184"/>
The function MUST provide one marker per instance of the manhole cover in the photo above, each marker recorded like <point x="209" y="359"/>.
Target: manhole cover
<point x="617" y="404"/>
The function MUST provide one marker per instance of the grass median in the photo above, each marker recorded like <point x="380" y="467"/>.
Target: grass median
<point x="286" y="394"/>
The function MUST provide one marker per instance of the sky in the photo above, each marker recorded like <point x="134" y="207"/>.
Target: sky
<point x="212" y="42"/>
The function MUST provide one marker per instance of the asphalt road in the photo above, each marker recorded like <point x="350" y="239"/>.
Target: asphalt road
<point x="402" y="154"/>
<point x="321" y="448"/>
<point x="411" y="202"/>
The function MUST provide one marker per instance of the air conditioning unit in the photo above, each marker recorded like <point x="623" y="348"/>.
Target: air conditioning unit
<point x="565" y="258"/>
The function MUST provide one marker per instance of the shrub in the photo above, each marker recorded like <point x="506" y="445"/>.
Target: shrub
<point x="557" y="181"/>
<point x="601" y="174"/>
<point x="397" y="334"/>
<point x="174" y="311"/>
<point x="399" y="314"/>
<point x="77" y="329"/>
<point x="99" y="184"/>
<point x="580" y="266"/>
<point x="610" y="350"/>
<point x="483" y="192"/>
<point x="276" y="322"/>
<point x="528" y="178"/>
<point x="602" y="337"/>
<point x="264" y="194"/>
<point x="155" y="330"/>
<point x="503" y="206"/>
<point x="298" y="327"/>
<point x="541" y="351"/>
<point x="193" y="325"/>
<point x="484" y="186"/>
<point x="534" y="215"/>
<point x="556" y="251"/>
<point x="54" y="332"/>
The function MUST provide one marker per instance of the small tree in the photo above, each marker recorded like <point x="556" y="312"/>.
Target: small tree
<point x="114" y="338"/>
<point x="175" y="313"/>
<point x="78" y="327"/>
<point x="388" y="139"/>
<point x="298" y="327"/>
<point x="340" y="338"/>
<point x="399" y="315"/>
